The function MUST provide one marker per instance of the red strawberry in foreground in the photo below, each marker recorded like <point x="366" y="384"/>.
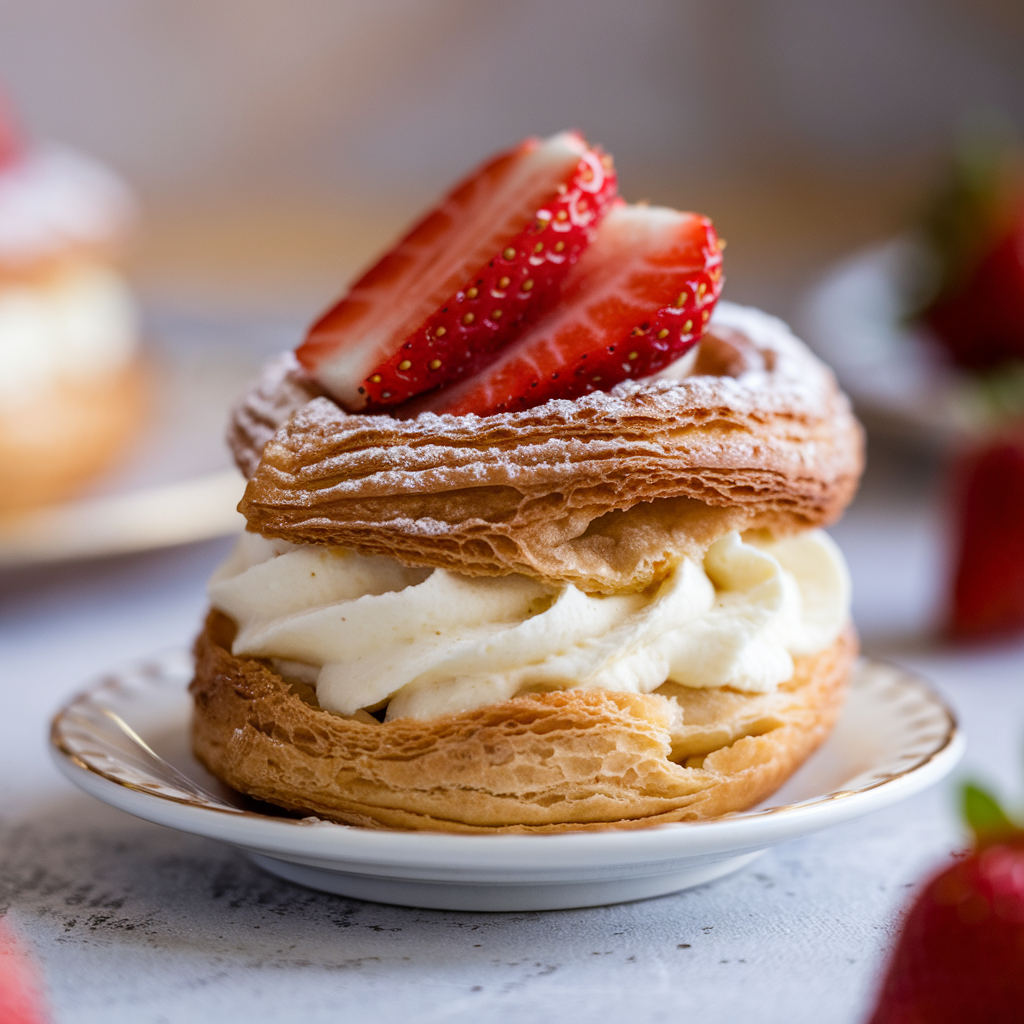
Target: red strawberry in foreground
<point x="988" y="594"/>
<point x="20" y="999"/>
<point x="639" y="298"/>
<point x="960" y="957"/>
<point x="461" y="283"/>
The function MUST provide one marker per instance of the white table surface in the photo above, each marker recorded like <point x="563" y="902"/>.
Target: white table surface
<point x="135" y="923"/>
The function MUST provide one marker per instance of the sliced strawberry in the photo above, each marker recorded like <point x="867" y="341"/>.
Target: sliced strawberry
<point x="988" y="594"/>
<point x="462" y="282"/>
<point x="639" y="298"/>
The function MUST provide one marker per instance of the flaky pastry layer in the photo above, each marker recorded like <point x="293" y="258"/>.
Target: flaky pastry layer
<point x="552" y="762"/>
<point x="605" y="491"/>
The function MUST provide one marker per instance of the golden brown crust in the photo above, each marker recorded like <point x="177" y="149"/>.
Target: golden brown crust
<point x="41" y="269"/>
<point x="53" y="445"/>
<point x="604" y="491"/>
<point x="552" y="762"/>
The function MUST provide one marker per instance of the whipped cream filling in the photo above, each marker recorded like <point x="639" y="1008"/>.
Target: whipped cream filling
<point x="369" y="632"/>
<point x="74" y="325"/>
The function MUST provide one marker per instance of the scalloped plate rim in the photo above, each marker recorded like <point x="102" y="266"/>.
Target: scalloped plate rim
<point x="358" y="850"/>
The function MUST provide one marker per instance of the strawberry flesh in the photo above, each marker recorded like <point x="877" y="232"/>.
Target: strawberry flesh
<point x="988" y="593"/>
<point x="461" y="284"/>
<point x="637" y="300"/>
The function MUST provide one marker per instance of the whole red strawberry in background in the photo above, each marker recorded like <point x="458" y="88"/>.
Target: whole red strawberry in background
<point x="20" y="990"/>
<point x="960" y="956"/>
<point x="462" y="282"/>
<point x="988" y="590"/>
<point x="981" y="323"/>
<point x="974" y="235"/>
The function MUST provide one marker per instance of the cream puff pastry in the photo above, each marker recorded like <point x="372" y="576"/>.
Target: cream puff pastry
<point x="71" y="384"/>
<point x="610" y="608"/>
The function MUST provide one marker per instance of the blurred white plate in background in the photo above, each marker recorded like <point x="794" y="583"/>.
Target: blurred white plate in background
<point x="178" y="484"/>
<point x="855" y="320"/>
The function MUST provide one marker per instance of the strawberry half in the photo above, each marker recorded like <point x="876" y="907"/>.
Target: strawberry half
<point x="461" y="283"/>
<point x="960" y="956"/>
<point x="639" y="298"/>
<point x="988" y="593"/>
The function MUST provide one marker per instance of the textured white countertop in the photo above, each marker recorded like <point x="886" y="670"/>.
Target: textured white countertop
<point x="135" y="923"/>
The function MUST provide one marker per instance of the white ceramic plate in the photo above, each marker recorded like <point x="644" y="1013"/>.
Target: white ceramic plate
<point x="154" y="517"/>
<point x="855" y="320"/>
<point x="125" y="741"/>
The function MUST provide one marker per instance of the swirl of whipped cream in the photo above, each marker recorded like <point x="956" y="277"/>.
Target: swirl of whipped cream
<point x="370" y="632"/>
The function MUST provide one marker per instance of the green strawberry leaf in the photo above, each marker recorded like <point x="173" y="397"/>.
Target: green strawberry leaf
<point x="984" y="814"/>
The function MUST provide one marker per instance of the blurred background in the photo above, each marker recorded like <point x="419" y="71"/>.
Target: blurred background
<point x="276" y="147"/>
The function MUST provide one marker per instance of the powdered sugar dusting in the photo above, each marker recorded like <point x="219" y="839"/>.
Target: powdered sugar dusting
<point x="556" y="436"/>
<point x="283" y="388"/>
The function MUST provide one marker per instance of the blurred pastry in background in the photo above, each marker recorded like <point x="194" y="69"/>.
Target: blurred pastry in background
<point x="71" y="385"/>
